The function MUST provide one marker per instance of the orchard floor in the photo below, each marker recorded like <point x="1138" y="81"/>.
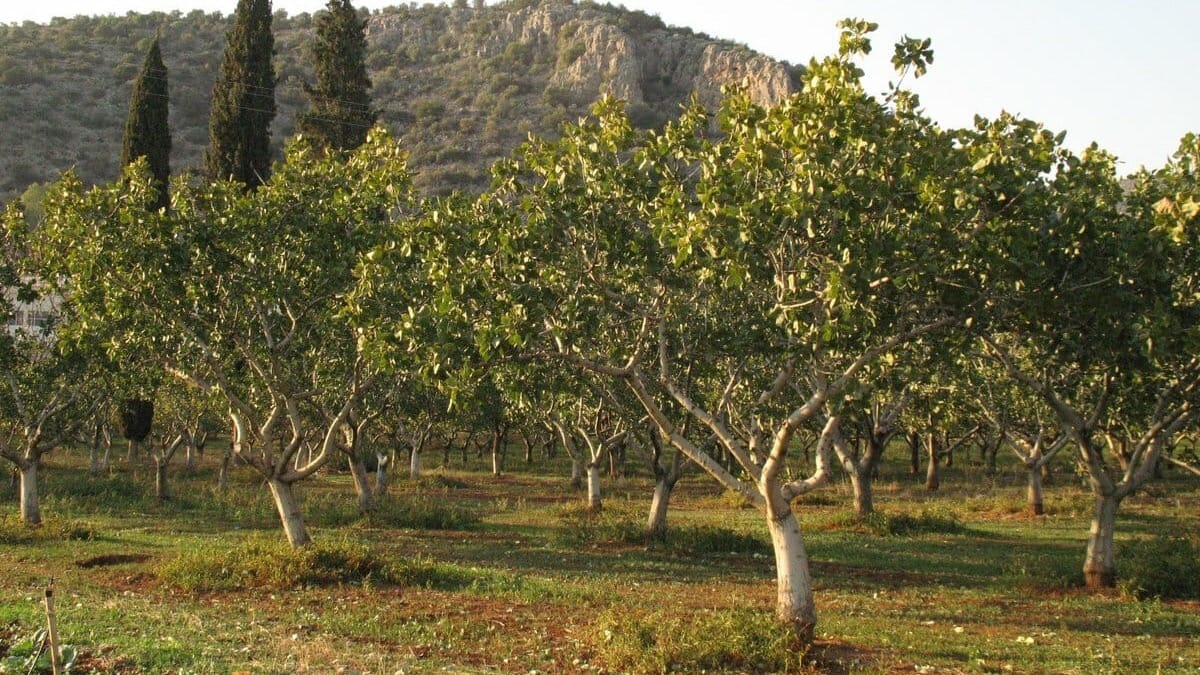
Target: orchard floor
<point x="525" y="581"/>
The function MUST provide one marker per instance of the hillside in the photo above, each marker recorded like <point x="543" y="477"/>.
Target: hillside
<point x="461" y="85"/>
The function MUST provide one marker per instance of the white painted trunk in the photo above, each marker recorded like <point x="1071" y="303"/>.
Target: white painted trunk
<point x="31" y="512"/>
<point x="593" y="487"/>
<point x="1100" y="567"/>
<point x="576" y="473"/>
<point x="864" y="498"/>
<point x="414" y="464"/>
<point x="1035" y="494"/>
<point x="162" y="488"/>
<point x="794" y="604"/>
<point x="223" y="471"/>
<point x="382" y="462"/>
<point x="656" y="523"/>
<point x="362" y="485"/>
<point x="933" y="476"/>
<point x="289" y="513"/>
<point x="497" y="462"/>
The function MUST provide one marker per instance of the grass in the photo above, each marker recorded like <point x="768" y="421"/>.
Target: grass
<point x="465" y="572"/>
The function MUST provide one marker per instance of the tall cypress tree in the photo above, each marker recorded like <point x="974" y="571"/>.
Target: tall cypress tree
<point x="243" y="102"/>
<point x="339" y="113"/>
<point x="147" y="133"/>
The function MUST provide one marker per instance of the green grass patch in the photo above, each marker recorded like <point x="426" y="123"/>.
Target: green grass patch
<point x="14" y="531"/>
<point x="713" y="540"/>
<point x="899" y="524"/>
<point x="724" y="640"/>
<point x="415" y="512"/>
<point x="1164" y="567"/>
<point x="616" y="523"/>
<point x="269" y="565"/>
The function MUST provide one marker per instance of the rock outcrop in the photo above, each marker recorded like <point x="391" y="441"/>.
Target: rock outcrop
<point x="461" y="86"/>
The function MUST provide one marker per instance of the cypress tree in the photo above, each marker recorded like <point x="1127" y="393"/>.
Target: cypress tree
<point x="147" y="133"/>
<point x="243" y="101"/>
<point x="339" y="113"/>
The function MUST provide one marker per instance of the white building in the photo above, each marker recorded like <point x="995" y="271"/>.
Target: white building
<point x="33" y="318"/>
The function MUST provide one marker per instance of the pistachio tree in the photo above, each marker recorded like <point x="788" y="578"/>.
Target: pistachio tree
<point x="243" y="294"/>
<point x="745" y="279"/>
<point x="1095" y="305"/>
<point x="47" y="380"/>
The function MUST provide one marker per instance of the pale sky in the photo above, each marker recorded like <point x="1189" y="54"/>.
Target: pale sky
<point x="1118" y="72"/>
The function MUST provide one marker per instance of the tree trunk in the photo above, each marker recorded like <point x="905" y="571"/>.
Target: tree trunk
<point x="497" y="453"/>
<point x="864" y="500"/>
<point x="593" y="486"/>
<point x="289" y="513"/>
<point x="223" y="470"/>
<point x="414" y="463"/>
<point x="31" y="512"/>
<point x="933" y="478"/>
<point x="794" y="605"/>
<point x="362" y="485"/>
<point x="616" y="460"/>
<point x="1100" y="569"/>
<point x="914" y="451"/>
<point x="132" y="455"/>
<point x="382" y="462"/>
<point x="1035" y="492"/>
<point x="576" y="473"/>
<point x="656" y="524"/>
<point x="528" y="449"/>
<point x="162" y="488"/>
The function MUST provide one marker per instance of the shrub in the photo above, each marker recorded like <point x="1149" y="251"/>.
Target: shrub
<point x="1048" y="569"/>
<point x="14" y="531"/>
<point x="671" y="641"/>
<point x="418" y="512"/>
<point x="904" y="525"/>
<point x="261" y="564"/>
<point x="429" y="109"/>
<point x="710" y="540"/>
<point x="1164" y="567"/>
<point x="612" y="525"/>
<point x="422" y="512"/>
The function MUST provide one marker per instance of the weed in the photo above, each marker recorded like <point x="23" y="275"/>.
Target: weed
<point x="927" y="521"/>
<point x="670" y="642"/>
<point x="415" y="512"/>
<point x="438" y="481"/>
<point x="258" y="564"/>
<point x="422" y="513"/>
<point x="715" y="540"/>
<point x="32" y="655"/>
<point x="14" y="531"/>
<point x="1047" y="570"/>
<point x="1166" y="567"/>
<point x="611" y="525"/>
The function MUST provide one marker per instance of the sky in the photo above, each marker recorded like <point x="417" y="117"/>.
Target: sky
<point x="1120" y="73"/>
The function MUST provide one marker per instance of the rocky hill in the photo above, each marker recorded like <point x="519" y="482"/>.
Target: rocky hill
<point x="461" y="85"/>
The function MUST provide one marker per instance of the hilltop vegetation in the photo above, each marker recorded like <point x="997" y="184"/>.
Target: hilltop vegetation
<point x="461" y="86"/>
